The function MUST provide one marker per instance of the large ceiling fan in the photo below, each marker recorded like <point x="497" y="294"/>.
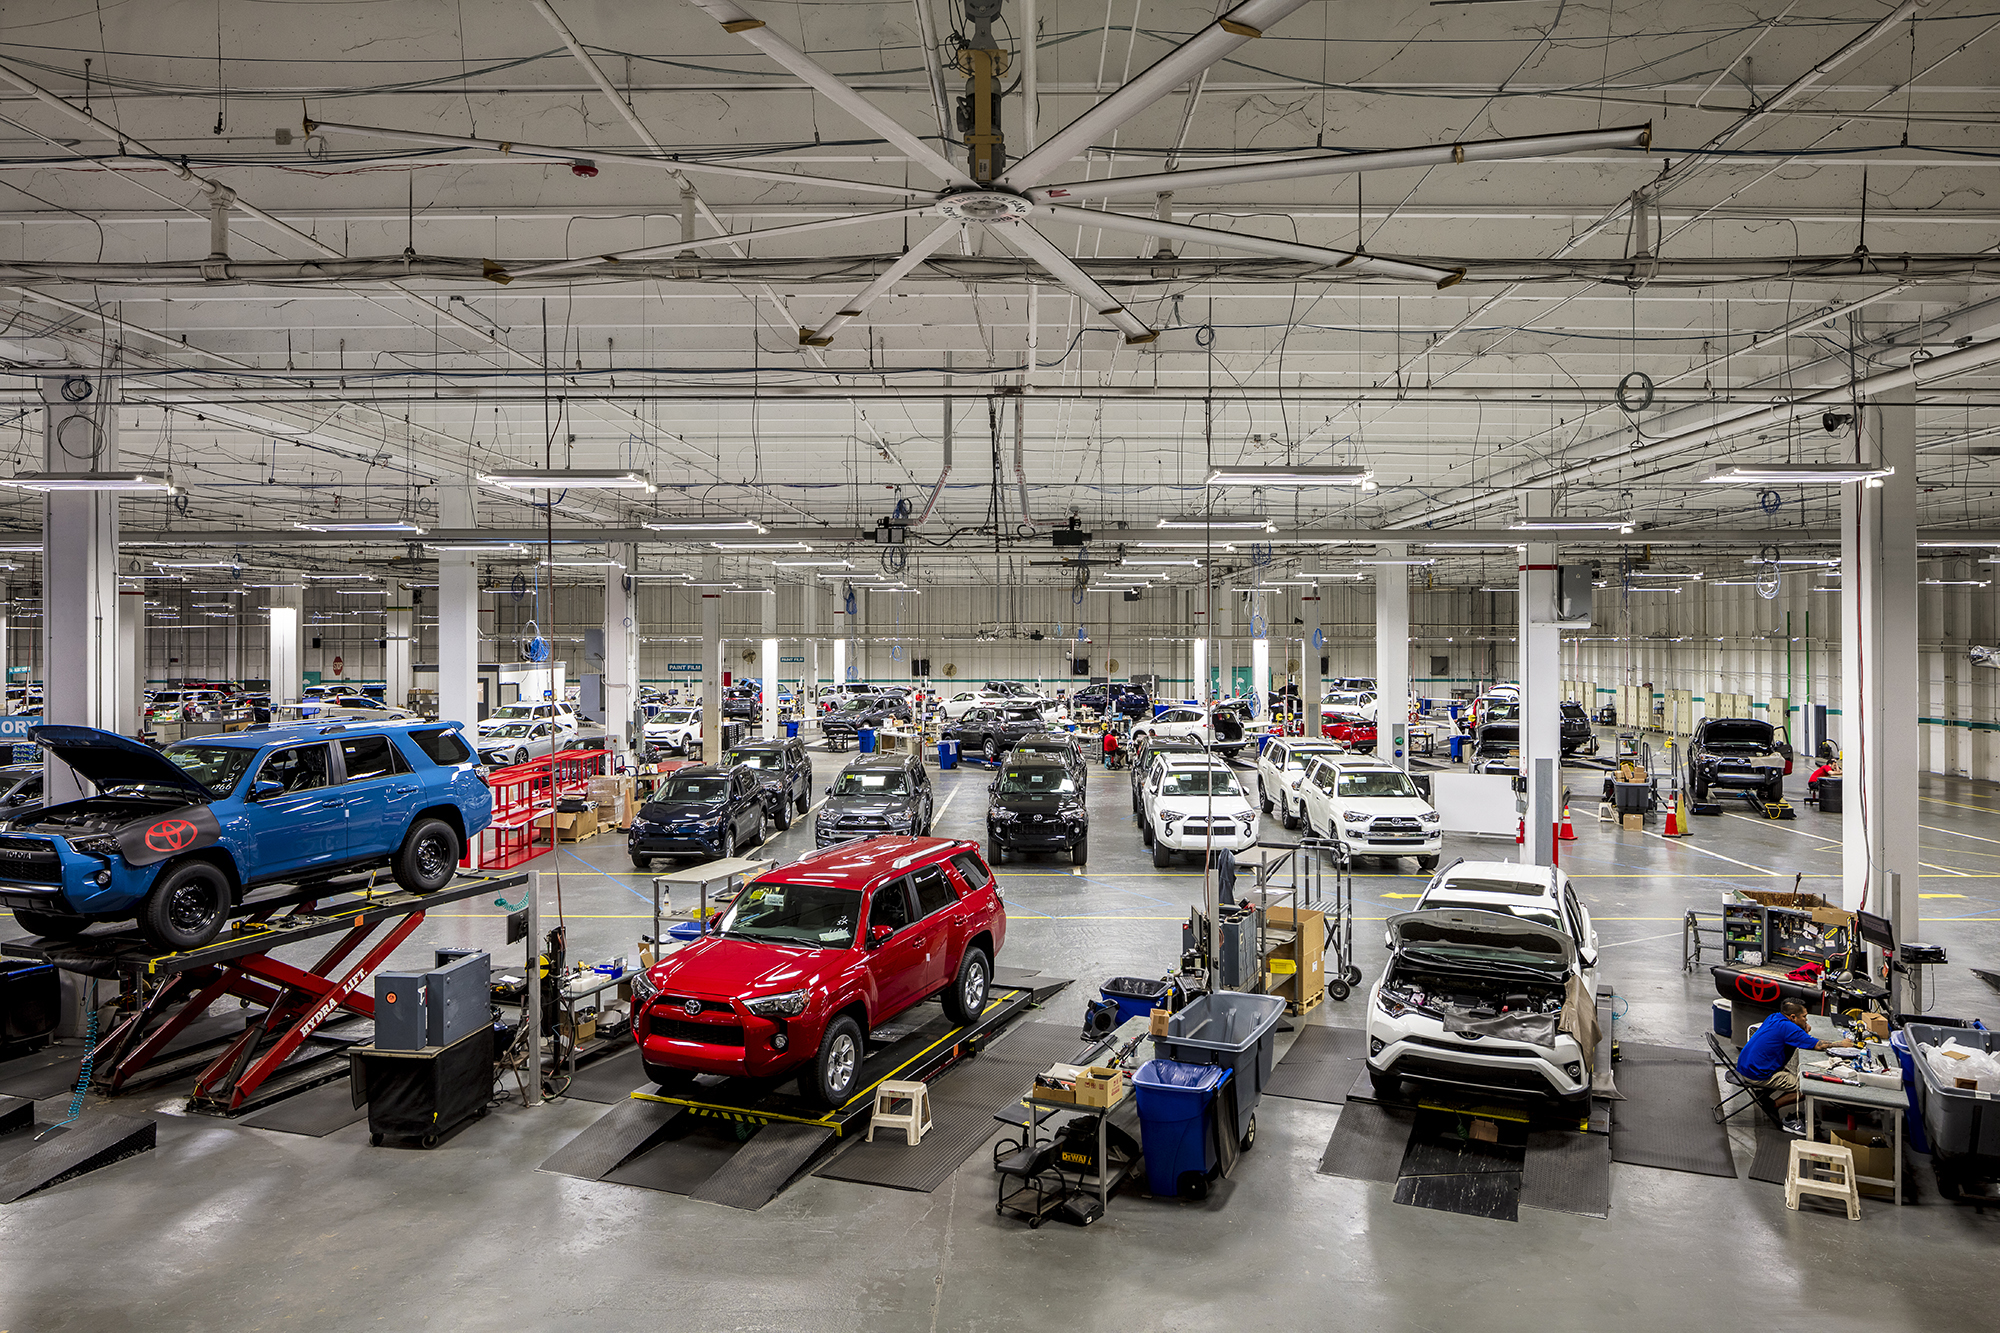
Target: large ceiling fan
<point x="1007" y="199"/>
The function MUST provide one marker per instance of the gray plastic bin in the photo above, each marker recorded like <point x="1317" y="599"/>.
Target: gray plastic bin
<point x="1959" y="1124"/>
<point x="1228" y="1028"/>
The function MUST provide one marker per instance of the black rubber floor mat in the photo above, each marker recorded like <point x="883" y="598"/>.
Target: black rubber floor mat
<point x="315" y="1113"/>
<point x="1014" y="976"/>
<point x="1565" y="1172"/>
<point x="1774" y="1154"/>
<point x="94" y="1142"/>
<point x="51" y="1080"/>
<point x="677" y="1166"/>
<point x="764" y="1166"/>
<point x="1666" y="1120"/>
<point x="610" y="1080"/>
<point x="1320" y="1066"/>
<point x="1443" y="1143"/>
<point x="16" y="1113"/>
<point x="616" y="1135"/>
<point x="1489" y="1194"/>
<point x="1368" y="1143"/>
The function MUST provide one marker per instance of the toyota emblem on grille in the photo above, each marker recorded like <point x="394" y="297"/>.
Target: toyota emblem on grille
<point x="691" y="1007"/>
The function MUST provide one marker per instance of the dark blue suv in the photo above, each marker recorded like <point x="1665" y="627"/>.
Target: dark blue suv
<point x="176" y="837"/>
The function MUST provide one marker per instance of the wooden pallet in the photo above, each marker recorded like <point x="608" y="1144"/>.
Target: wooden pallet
<point x="1308" y="1004"/>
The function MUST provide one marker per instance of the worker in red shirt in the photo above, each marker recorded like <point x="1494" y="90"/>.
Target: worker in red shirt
<point x="1110" y="748"/>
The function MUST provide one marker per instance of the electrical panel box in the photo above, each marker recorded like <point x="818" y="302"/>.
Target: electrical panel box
<point x="401" y="1023"/>
<point x="1573" y="594"/>
<point x="590" y="696"/>
<point x="459" y="998"/>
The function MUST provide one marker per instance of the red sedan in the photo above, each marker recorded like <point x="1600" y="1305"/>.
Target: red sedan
<point x="813" y="955"/>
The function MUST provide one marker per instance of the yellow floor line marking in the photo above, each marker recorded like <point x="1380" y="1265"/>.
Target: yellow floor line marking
<point x="1940" y="895"/>
<point x="1957" y="805"/>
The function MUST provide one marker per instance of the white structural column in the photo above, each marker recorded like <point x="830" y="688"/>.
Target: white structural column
<point x="398" y="644"/>
<point x="458" y="612"/>
<point x="1225" y="644"/>
<point x="79" y="567"/>
<point x="621" y="653"/>
<point x="1878" y="674"/>
<point x="1312" y="642"/>
<point x="711" y="659"/>
<point x="767" y="663"/>
<point x="1199" y="689"/>
<point x="132" y="660"/>
<point x="286" y="628"/>
<point x="810" y="594"/>
<point x="1392" y="656"/>
<point x="6" y="673"/>
<point x="1260" y="653"/>
<point x="1541" y="691"/>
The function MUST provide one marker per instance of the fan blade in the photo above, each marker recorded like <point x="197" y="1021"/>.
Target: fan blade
<point x="1033" y="245"/>
<point x="1239" y="25"/>
<point x="1336" y="164"/>
<point x="1257" y="245"/>
<point x="892" y="275"/>
<point x="735" y="19"/>
<point x="721" y="238"/>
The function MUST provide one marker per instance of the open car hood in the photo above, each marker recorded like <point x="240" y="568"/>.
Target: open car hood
<point x="110" y="760"/>
<point x="1468" y="928"/>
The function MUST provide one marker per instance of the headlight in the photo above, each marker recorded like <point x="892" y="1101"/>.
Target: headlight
<point x="1430" y="817"/>
<point x="789" y="1005"/>
<point x="106" y="847"/>
<point x="1390" y="1005"/>
<point x="1355" y="816"/>
<point x="710" y="821"/>
<point x="1170" y="818"/>
<point x="639" y="825"/>
<point x="1002" y="815"/>
<point x="643" y="989"/>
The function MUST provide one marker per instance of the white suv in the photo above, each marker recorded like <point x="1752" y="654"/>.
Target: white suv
<point x="1281" y="766"/>
<point x="1219" y="729"/>
<point x="562" y="715"/>
<point x="1371" y="806"/>
<point x="1195" y="805"/>
<point x="676" y="729"/>
<point x="1492" y="984"/>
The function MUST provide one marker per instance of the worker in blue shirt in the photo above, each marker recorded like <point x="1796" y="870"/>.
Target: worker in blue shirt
<point x="1766" y="1061"/>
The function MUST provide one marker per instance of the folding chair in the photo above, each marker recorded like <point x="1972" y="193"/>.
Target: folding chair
<point x="1746" y="1095"/>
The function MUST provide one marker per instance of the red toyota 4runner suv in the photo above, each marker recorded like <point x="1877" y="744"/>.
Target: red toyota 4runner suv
<point x="813" y="955"/>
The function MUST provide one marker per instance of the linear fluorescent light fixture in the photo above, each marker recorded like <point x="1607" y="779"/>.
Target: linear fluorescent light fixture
<point x="1290" y="476"/>
<point x="1955" y="583"/>
<point x="571" y="478"/>
<point x="1470" y="546"/>
<point x="581" y="564"/>
<point x="1514" y="590"/>
<point x="1647" y="574"/>
<point x="92" y="481"/>
<point x="1792" y="560"/>
<point x="24" y="548"/>
<point x="398" y="526"/>
<point x="761" y="546"/>
<point x="1570" y="525"/>
<point x="809" y="564"/>
<point x="328" y="578"/>
<point x="1247" y="523"/>
<point x="1781" y="474"/>
<point x="705" y="525"/>
<point x="492" y="548"/>
<point x="196" y="564"/>
<point x="861" y="577"/>
<point x="1181" y="546"/>
<point x="1928" y="546"/>
<point x="1406" y="563"/>
<point x="362" y="592"/>
<point x="1149" y="560"/>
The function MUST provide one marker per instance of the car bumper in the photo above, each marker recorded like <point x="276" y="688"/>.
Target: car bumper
<point x="743" y="1045"/>
<point x="1014" y="838"/>
<point x="658" y="843"/>
<point x="827" y="837"/>
<point x="1182" y="841"/>
<point x="1737" y="777"/>
<point x="1363" y="845"/>
<point x="1415" y="1047"/>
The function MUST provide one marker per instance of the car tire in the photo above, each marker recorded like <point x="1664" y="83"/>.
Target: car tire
<point x="1698" y="789"/>
<point x="1266" y="802"/>
<point x="51" y="925"/>
<point x="428" y="858"/>
<point x="640" y="861"/>
<point x="995" y="853"/>
<point x="965" y="999"/>
<point x="187" y="907"/>
<point x="728" y="843"/>
<point x="521" y="756"/>
<point x="1162" y="857"/>
<point x="1287" y="816"/>
<point x="681" y="748"/>
<point x="991" y="749"/>
<point x="836" y="1071"/>
<point x="804" y="802"/>
<point x="1145" y="832"/>
<point x="1384" y="1083"/>
<point x="784" y="820"/>
<point x="669" y="1079"/>
<point x="1428" y="862"/>
<point x="1080" y="854"/>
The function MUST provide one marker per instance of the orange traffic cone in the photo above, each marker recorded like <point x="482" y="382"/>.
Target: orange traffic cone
<point x="1567" y="833"/>
<point x="1676" y="819"/>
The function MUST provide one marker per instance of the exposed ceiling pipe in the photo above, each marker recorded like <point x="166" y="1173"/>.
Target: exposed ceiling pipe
<point x="938" y="490"/>
<point x="1021" y="467"/>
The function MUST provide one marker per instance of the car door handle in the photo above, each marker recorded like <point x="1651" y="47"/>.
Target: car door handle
<point x="331" y="805"/>
<point x="405" y="791"/>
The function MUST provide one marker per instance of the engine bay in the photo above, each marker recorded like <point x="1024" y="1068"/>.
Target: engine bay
<point x="1467" y="995"/>
<point x="96" y="814"/>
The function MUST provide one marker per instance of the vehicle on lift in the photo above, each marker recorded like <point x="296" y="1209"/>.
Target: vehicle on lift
<point x="877" y="794"/>
<point x="1737" y="754"/>
<point x="813" y="956"/>
<point x="1497" y="749"/>
<point x="1360" y="703"/>
<point x="991" y="730"/>
<point x="676" y="730"/>
<point x="863" y="710"/>
<point x="1281" y="767"/>
<point x="1371" y="806"/>
<point x="784" y="775"/>
<point x="1221" y="730"/>
<point x="176" y="838"/>
<point x="1036" y="805"/>
<point x="1488" y="980"/>
<point x="1156" y="751"/>
<point x="1197" y="806"/>
<point x="958" y="705"/>
<point x="1056" y="747"/>
<point x="701" y="810"/>
<point x="1577" y="737"/>
<point x="1350" y="729"/>
<point x="1017" y="692"/>
<point x="518" y="742"/>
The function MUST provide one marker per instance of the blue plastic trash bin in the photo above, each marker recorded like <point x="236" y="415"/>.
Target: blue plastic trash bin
<point x="1136" y="997"/>
<point x="791" y="730"/>
<point x="865" y="740"/>
<point x="1176" y="1110"/>
<point x="1913" y="1123"/>
<point x="947" y="754"/>
<point x="1457" y="749"/>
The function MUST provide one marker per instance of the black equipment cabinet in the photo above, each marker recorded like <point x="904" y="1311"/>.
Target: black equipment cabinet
<point x="423" y="1095"/>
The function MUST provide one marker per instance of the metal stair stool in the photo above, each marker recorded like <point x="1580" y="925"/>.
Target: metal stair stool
<point x="912" y="1122"/>
<point x="1812" y="1170"/>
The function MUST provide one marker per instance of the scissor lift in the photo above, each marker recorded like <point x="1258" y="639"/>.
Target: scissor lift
<point x="167" y="992"/>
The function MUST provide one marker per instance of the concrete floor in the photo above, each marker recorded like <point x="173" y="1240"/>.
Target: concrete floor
<point x="227" y="1227"/>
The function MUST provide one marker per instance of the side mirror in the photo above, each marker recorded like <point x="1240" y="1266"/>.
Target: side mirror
<point x="879" y="935"/>
<point x="1588" y="957"/>
<point x="265" y="788"/>
<point x="829" y="791"/>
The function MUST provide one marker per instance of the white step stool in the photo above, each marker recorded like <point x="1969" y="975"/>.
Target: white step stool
<point x="917" y="1119"/>
<point x="1607" y="813"/>
<point x="1825" y="1169"/>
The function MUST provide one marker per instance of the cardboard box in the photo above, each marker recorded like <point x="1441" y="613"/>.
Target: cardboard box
<point x="586" y="1030"/>
<point x="1877" y="1025"/>
<point x="1633" y="823"/>
<point x="1100" y="1085"/>
<point x="1873" y="1156"/>
<point x="1156" y="1023"/>
<point x="575" y="826"/>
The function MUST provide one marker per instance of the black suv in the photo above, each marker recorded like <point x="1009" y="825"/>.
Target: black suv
<point x="1498" y="749"/>
<point x="858" y="711"/>
<point x="784" y="775"/>
<point x="739" y="701"/>
<point x="1058" y="747"/>
<point x="1739" y="753"/>
<point x="1577" y="737"/>
<point x="1037" y="807"/>
<point x="874" y="795"/>
<point x="993" y="729"/>
<point x="701" y="810"/>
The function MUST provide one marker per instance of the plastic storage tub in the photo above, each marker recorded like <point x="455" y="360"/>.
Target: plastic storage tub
<point x="1963" y="1127"/>
<point x="1913" y="1123"/>
<point x="1136" y="997"/>
<point x="1176" y="1102"/>
<point x="1229" y="1028"/>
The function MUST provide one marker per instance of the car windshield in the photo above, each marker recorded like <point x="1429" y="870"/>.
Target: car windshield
<point x="1021" y="714"/>
<point x="756" y="758"/>
<point x="216" y="767"/>
<point x="814" y="916"/>
<point x="1036" y="781"/>
<point x="702" y="790"/>
<point x="513" y="730"/>
<point x="672" y="718"/>
<point x="1375" y="784"/>
<point x="1300" y="758"/>
<point x="1054" y="752"/>
<point x="869" y="784"/>
<point x="1199" y="782"/>
<point x="1539" y="913"/>
<point x="1736" y="733"/>
<point x="1495" y="712"/>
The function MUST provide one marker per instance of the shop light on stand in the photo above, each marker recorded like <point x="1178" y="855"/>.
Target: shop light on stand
<point x="570" y="479"/>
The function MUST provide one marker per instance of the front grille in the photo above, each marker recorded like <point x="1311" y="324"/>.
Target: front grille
<point x="1396" y="825"/>
<point x="1517" y="1080"/>
<point x="1478" y="1048"/>
<point x="708" y="1034"/>
<point x="679" y="1002"/>
<point x="29" y="861"/>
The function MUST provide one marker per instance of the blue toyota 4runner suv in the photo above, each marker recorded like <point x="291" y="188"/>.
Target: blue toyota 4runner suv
<point x="175" y="837"/>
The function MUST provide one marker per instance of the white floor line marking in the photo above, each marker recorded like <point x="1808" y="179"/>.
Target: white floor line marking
<point x="1691" y="847"/>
